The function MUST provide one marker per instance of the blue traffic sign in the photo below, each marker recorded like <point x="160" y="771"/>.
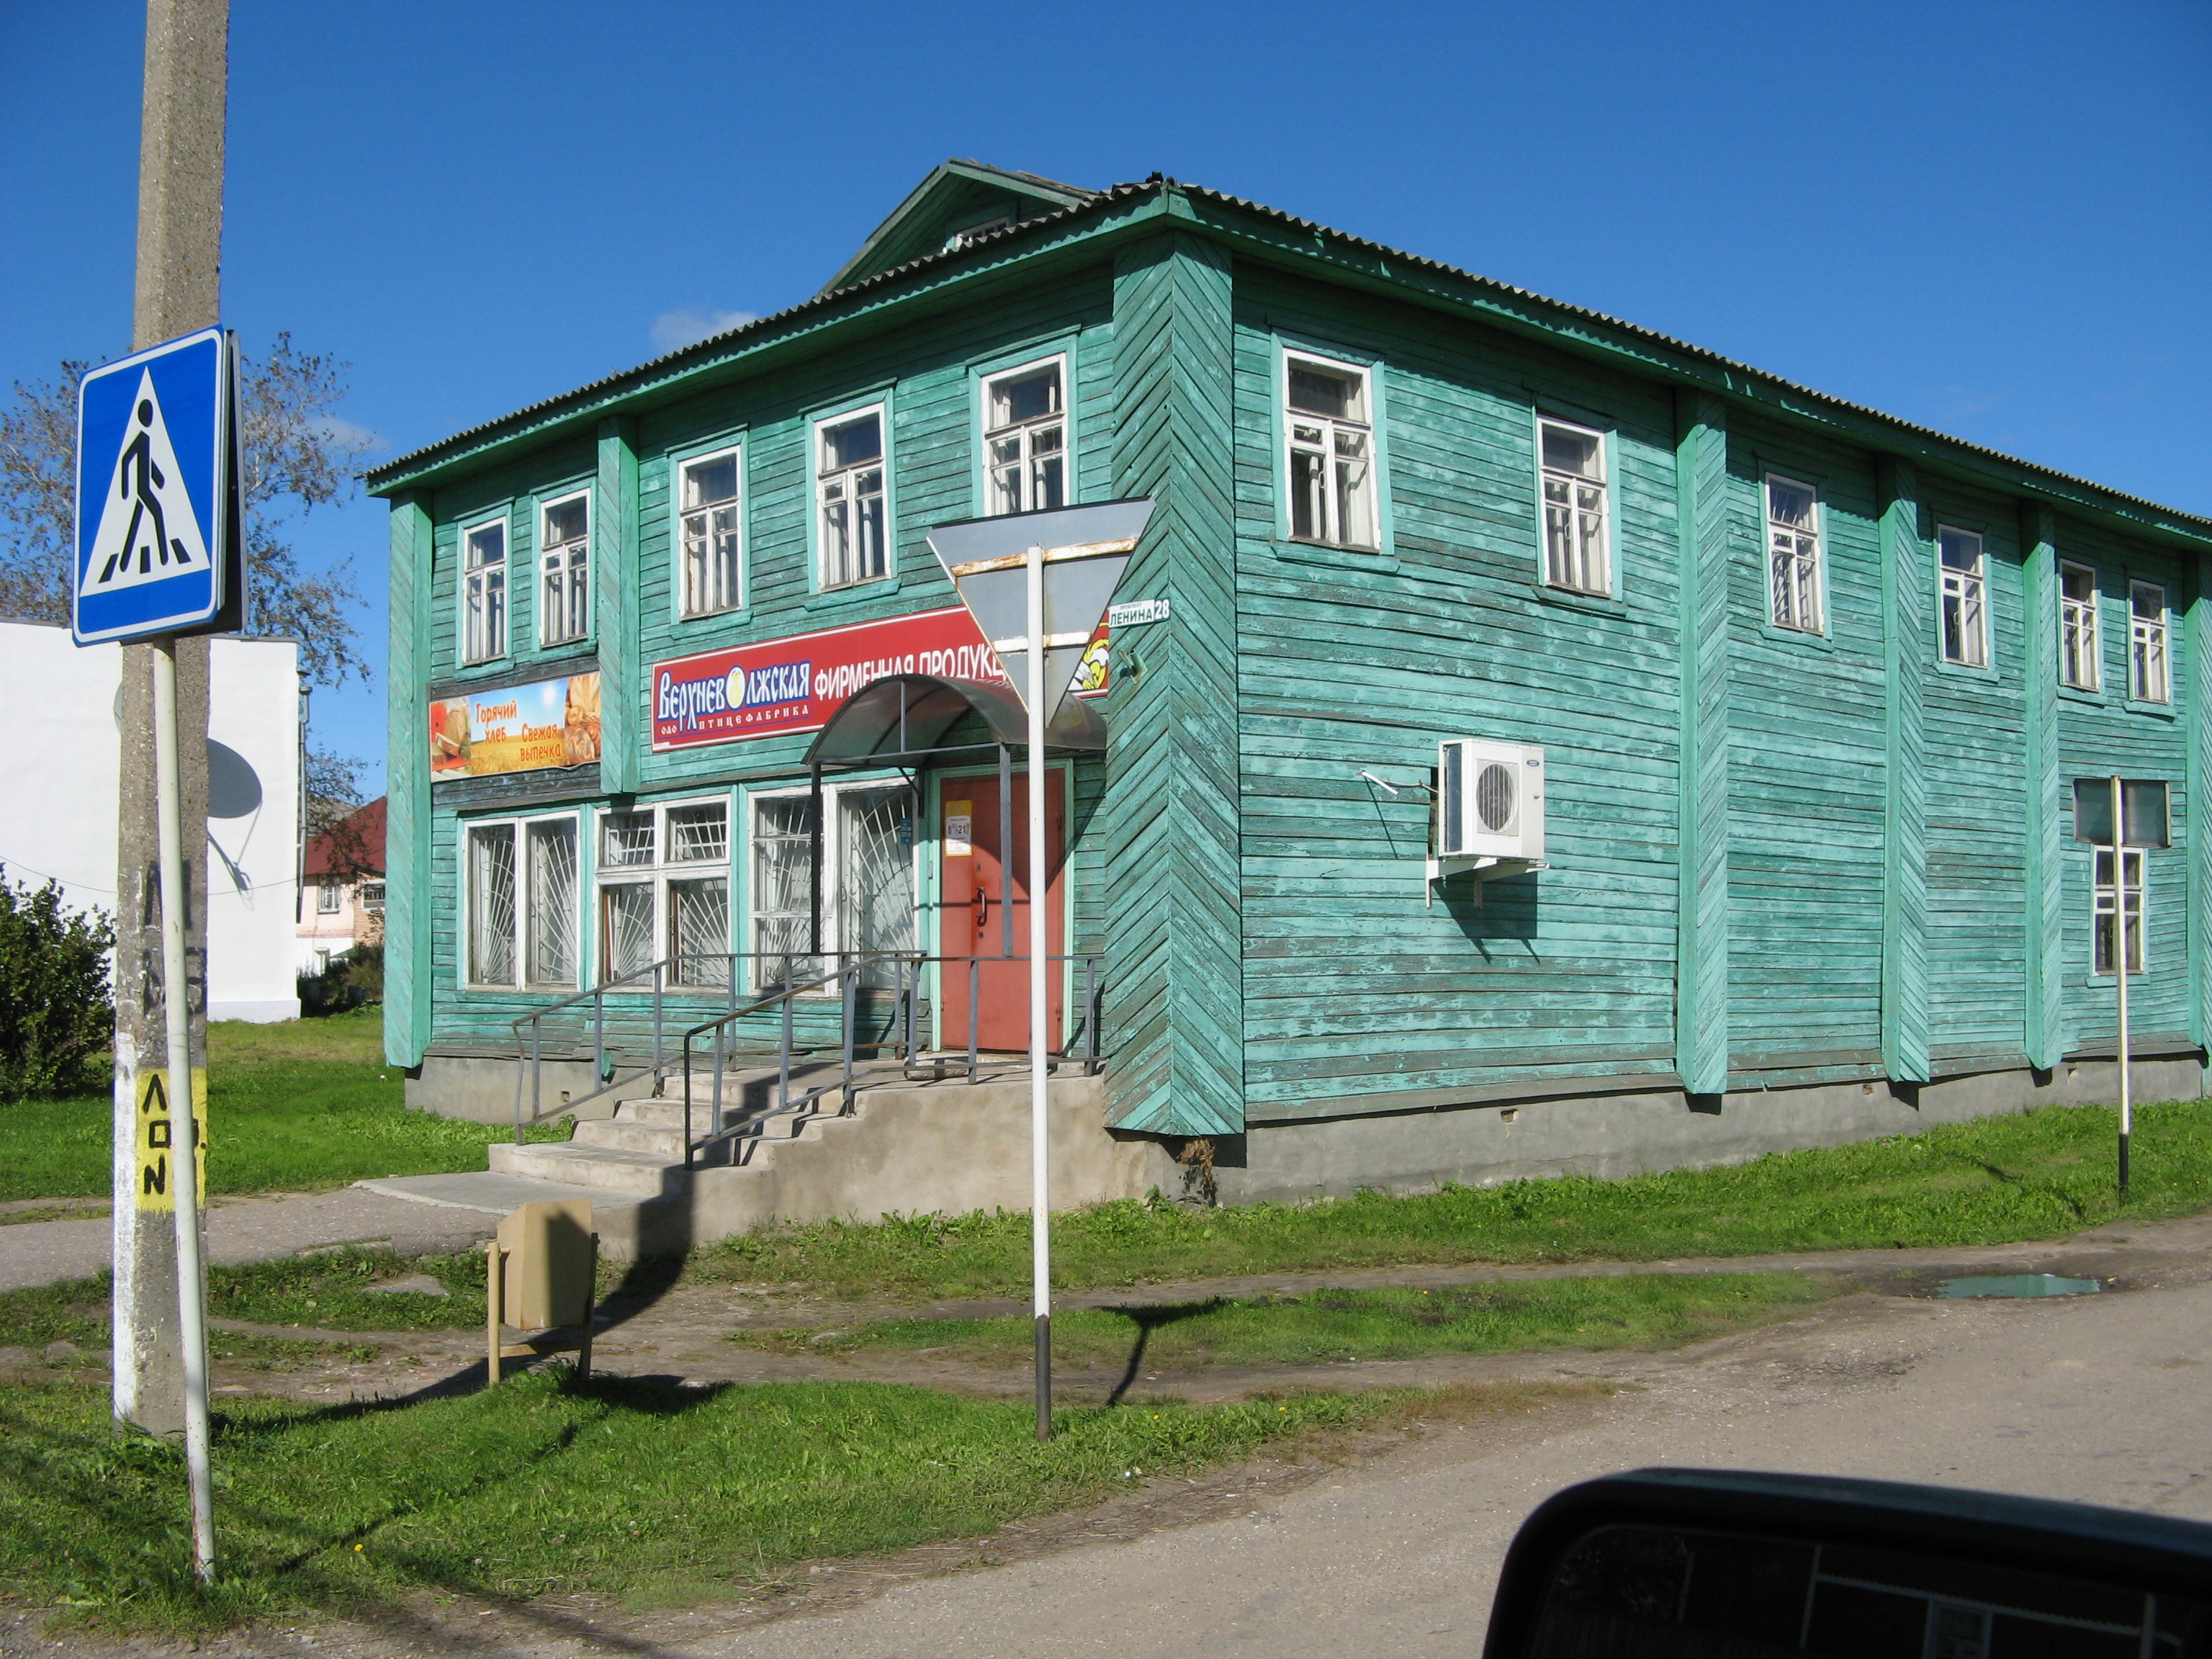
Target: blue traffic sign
<point x="157" y="492"/>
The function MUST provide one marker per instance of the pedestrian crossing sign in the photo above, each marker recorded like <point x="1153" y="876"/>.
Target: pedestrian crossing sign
<point x="157" y="504"/>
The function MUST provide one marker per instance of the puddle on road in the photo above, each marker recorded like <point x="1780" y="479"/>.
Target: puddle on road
<point x="2019" y="1285"/>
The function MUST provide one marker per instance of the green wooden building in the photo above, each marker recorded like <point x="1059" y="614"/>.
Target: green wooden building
<point x="1810" y="688"/>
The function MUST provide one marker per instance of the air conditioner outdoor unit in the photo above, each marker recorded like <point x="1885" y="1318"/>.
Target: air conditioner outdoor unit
<point x="1490" y="808"/>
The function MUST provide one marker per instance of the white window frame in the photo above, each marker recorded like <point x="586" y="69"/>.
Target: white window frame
<point x="475" y="587"/>
<point x="330" y="896"/>
<point x="1063" y="417"/>
<point x="522" y="941"/>
<point x="1332" y="527"/>
<point x="1809" y="576"/>
<point x="2134" y="872"/>
<point x="817" y="430"/>
<point x="658" y="875"/>
<point x="2080" y="635"/>
<point x="2150" y="661"/>
<point x="1598" y="583"/>
<point x="833" y="914"/>
<point x="1968" y="591"/>
<point x="681" y="583"/>
<point x="572" y="574"/>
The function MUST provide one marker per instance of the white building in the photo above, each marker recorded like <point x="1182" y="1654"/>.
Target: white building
<point x="60" y="757"/>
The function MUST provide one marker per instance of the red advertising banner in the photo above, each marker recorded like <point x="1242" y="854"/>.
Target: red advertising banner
<point x="795" y="684"/>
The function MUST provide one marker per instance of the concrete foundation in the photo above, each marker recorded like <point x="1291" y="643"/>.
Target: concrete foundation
<point x="951" y="1148"/>
<point x="1632" y="1133"/>
<point x="482" y="1090"/>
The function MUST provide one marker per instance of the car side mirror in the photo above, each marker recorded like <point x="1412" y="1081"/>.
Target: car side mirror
<point x="1694" y="1563"/>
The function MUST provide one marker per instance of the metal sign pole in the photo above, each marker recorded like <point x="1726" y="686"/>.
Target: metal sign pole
<point x="185" y="1133"/>
<point x="1040" y="930"/>
<point x="2120" y="935"/>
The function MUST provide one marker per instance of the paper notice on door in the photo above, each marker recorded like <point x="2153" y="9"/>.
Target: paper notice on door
<point x="959" y="829"/>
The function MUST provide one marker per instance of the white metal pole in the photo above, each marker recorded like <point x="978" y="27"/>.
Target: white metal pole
<point x="2120" y="933"/>
<point x="183" y="1134"/>
<point x="1040" y="947"/>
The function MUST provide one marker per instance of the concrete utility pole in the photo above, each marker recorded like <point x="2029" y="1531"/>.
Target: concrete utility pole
<point x="178" y="289"/>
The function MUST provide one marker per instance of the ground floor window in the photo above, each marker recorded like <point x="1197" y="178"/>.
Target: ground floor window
<point x="664" y="880"/>
<point x="867" y="879"/>
<point x="2108" y="900"/>
<point x="522" y="902"/>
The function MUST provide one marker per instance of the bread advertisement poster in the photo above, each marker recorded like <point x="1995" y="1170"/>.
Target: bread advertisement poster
<point x="517" y="728"/>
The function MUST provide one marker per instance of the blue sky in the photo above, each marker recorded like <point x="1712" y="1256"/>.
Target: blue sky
<point x="1996" y="220"/>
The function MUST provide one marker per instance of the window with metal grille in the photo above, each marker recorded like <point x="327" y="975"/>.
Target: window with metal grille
<point x="664" y="895"/>
<point x="1793" y="544"/>
<point x="523" y="903"/>
<point x="1025" y="439"/>
<point x="564" y="559"/>
<point x="781" y="889"/>
<point x="1577" y="547"/>
<point x="2078" y="645"/>
<point x="2107" y="909"/>
<point x="868" y="891"/>
<point x="709" y="532"/>
<point x="2149" y="679"/>
<point x="491" y="904"/>
<point x="1964" y="610"/>
<point x="483" y="593"/>
<point x="1330" y="464"/>
<point x="849" y="493"/>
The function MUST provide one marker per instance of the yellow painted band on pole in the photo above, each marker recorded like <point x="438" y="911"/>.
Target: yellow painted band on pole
<point x="155" y="1140"/>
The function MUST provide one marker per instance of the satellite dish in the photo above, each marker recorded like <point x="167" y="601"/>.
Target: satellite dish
<point x="234" y="787"/>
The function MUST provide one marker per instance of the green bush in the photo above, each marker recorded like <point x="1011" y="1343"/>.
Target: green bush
<point x="56" y="1018"/>
<point x="350" y="980"/>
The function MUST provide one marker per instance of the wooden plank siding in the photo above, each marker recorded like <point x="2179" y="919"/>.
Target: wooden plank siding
<point x="1703" y="552"/>
<point x="1775" y="858"/>
<point x="1354" y="989"/>
<point x="1975" y="744"/>
<point x="2102" y="732"/>
<point x="928" y="380"/>
<point x="1170" y="816"/>
<point x="410" y="918"/>
<point x="2044" y="795"/>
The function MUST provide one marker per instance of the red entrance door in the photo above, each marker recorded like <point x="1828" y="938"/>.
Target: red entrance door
<point x="972" y="891"/>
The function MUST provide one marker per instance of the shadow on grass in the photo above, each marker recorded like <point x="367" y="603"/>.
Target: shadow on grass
<point x="1148" y="1319"/>
<point x="105" y="1507"/>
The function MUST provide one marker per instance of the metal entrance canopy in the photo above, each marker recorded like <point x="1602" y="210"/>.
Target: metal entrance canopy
<point x="901" y="721"/>
<point x="904" y="718"/>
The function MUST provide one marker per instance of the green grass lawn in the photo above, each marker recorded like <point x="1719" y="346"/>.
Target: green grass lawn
<point x="534" y="1488"/>
<point x="293" y="1107"/>
<point x="1645" y="1310"/>
<point x="2039" y="1175"/>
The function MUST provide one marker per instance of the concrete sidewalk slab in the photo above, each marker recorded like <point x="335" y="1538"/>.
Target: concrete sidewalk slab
<point x="33" y="1253"/>
<point x="490" y="1192"/>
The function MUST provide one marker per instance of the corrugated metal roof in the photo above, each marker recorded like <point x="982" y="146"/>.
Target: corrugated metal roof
<point x="706" y="350"/>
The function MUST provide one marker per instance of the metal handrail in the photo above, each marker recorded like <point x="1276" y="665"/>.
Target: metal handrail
<point x="847" y="979"/>
<point x="664" y="982"/>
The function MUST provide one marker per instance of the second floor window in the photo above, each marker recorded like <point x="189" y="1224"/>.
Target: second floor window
<point x="483" y="593"/>
<point x="849" y="482"/>
<point x="2078" y="626"/>
<point x="1576" y="553"/>
<point x="707" y="509"/>
<point x="564" y="555"/>
<point x="1025" y="441"/>
<point x="2149" y="678"/>
<point x="1793" y="547"/>
<point x="1964" y="615"/>
<point x="1331" y="436"/>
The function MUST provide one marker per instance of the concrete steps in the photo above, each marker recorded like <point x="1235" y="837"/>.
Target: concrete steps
<point x="907" y="1148"/>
